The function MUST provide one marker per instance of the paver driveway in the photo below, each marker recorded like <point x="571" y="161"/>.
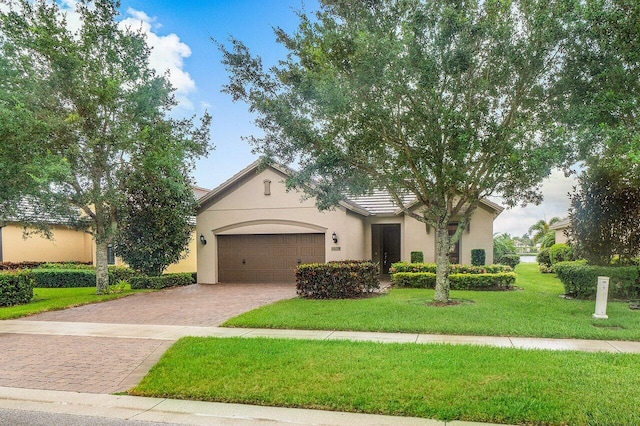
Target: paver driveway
<point x="107" y="364"/>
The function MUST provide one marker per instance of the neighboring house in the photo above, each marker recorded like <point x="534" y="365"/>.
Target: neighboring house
<point x="252" y="230"/>
<point x="71" y="245"/>
<point x="560" y="229"/>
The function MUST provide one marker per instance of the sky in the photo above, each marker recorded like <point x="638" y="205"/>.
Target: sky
<point x="180" y="34"/>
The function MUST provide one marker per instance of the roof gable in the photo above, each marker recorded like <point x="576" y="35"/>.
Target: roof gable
<point x="379" y="202"/>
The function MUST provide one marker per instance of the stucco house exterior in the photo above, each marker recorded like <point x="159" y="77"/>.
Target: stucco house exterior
<point x="252" y="230"/>
<point x="560" y="228"/>
<point x="69" y="244"/>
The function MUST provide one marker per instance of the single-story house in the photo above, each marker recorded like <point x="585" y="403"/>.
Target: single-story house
<point x="560" y="229"/>
<point x="252" y="230"/>
<point x="69" y="244"/>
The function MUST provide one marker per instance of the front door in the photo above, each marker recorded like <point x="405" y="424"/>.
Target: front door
<point x="385" y="248"/>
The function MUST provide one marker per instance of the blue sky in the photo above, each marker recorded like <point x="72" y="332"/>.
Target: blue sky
<point x="180" y="33"/>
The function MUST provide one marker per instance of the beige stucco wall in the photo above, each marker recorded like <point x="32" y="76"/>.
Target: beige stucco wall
<point x="561" y="237"/>
<point x="189" y="263"/>
<point x="67" y="245"/>
<point x="414" y="236"/>
<point x="478" y="236"/>
<point x="247" y="210"/>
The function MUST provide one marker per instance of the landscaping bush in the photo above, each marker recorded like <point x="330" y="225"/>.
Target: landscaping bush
<point x="481" y="281"/>
<point x="12" y="266"/>
<point x="544" y="260"/>
<point x="560" y="253"/>
<point x="510" y="260"/>
<point x="162" y="281"/>
<point x="581" y="280"/>
<point x="64" y="278"/>
<point x="66" y="265"/>
<point x="454" y="269"/>
<point x="16" y="288"/>
<point x="121" y="273"/>
<point x="478" y="257"/>
<point x="337" y="280"/>
<point x="417" y="257"/>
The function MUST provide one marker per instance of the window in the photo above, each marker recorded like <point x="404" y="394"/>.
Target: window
<point x="111" y="256"/>
<point x="454" y="253"/>
<point x="267" y="187"/>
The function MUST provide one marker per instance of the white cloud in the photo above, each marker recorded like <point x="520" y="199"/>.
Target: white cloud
<point x="167" y="52"/>
<point x="555" y="188"/>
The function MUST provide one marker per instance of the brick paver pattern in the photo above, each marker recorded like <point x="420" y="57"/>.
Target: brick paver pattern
<point x="197" y="305"/>
<point x="106" y="364"/>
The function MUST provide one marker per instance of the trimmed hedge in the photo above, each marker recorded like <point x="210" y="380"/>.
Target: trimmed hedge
<point x="560" y="253"/>
<point x="162" y="281"/>
<point x="478" y="281"/>
<point x="12" y="266"/>
<point x="454" y="269"/>
<point x="16" y="288"/>
<point x="417" y="257"/>
<point x="478" y="257"/>
<point x="581" y="280"/>
<point x="64" y="278"/>
<point x="337" y="280"/>
<point x="78" y="276"/>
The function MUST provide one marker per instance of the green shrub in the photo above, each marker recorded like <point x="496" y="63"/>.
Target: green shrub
<point x="337" y="280"/>
<point x="581" y="280"/>
<point x="66" y="265"/>
<point x="560" y="253"/>
<point x="162" y="281"/>
<point x="16" y="288"/>
<point x="454" y="269"/>
<point x="13" y="266"/>
<point x="544" y="260"/>
<point x="417" y="257"/>
<point x="495" y="281"/>
<point x="510" y="260"/>
<point x="121" y="273"/>
<point x="478" y="257"/>
<point x="64" y="278"/>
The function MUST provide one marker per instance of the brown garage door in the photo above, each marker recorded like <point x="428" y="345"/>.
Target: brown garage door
<point x="266" y="258"/>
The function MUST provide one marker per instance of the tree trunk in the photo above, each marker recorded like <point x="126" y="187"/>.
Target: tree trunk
<point x="442" y="265"/>
<point x="102" y="271"/>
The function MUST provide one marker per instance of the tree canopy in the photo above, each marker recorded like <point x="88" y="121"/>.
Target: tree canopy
<point x="93" y="102"/>
<point x="446" y="101"/>
<point x="605" y="216"/>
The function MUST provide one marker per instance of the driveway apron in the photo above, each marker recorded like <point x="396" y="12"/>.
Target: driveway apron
<point x="107" y="364"/>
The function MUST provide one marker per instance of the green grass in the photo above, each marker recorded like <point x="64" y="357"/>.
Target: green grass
<point x="50" y="299"/>
<point x="471" y="383"/>
<point x="535" y="311"/>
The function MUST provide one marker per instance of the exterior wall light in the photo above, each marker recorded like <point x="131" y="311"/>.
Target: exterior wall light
<point x="334" y="237"/>
<point x="203" y="240"/>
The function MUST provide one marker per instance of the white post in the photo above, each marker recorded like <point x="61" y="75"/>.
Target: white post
<point x="601" y="298"/>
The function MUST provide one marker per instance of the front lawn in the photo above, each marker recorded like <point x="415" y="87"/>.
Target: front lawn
<point x="535" y="311"/>
<point x="50" y="299"/>
<point x="472" y="383"/>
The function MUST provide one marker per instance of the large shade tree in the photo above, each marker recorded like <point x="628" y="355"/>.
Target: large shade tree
<point x="445" y="101"/>
<point x="92" y="100"/>
<point x="603" y="73"/>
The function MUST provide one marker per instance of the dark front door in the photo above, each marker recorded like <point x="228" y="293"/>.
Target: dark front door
<point x="385" y="248"/>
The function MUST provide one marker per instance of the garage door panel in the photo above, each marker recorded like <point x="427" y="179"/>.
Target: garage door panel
<point x="268" y="258"/>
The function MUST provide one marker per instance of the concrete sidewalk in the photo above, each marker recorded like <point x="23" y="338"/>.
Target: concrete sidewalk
<point x="125" y="407"/>
<point x="162" y="410"/>
<point x="173" y="332"/>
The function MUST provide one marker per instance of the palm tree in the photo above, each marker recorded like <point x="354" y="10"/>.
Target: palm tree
<point x="542" y="234"/>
